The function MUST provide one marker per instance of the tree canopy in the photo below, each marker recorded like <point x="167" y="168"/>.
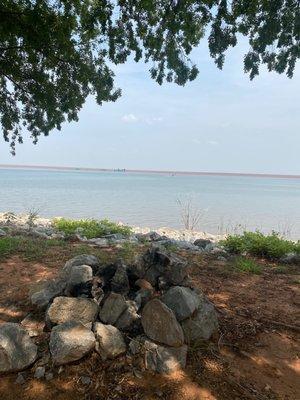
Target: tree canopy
<point x="54" y="53"/>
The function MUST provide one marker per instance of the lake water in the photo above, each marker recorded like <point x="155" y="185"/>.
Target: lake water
<point x="226" y="202"/>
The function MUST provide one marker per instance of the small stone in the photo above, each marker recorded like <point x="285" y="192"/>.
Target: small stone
<point x="85" y="380"/>
<point x="160" y="324"/>
<point x="110" y="342"/>
<point x="202" y="325"/>
<point x="112" y="309"/>
<point x="65" y="309"/>
<point x="20" y="379"/>
<point x="39" y="372"/>
<point x="48" y="376"/>
<point x="182" y="301"/>
<point x="120" y="282"/>
<point x="17" y="351"/>
<point x="70" y="341"/>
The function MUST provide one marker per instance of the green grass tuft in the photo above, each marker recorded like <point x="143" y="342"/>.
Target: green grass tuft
<point x="247" y="265"/>
<point x="90" y="228"/>
<point x="257" y="244"/>
<point x="29" y="248"/>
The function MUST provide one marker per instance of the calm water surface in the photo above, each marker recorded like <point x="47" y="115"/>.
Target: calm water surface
<point x="150" y="199"/>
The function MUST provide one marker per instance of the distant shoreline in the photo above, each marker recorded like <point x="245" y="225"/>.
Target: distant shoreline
<point x="170" y="172"/>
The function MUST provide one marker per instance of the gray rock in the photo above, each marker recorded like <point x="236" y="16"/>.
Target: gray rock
<point x="2" y="232"/>
<point x="202" y="243"/>
<point x="99" y="242"/>
<point x="17" y="351"/>
<point x="65" y="309"/>
<point x="120" y="282"/>
<point x="85" y="380"/>
<point x="70" y="341"/>
<point x="49" y="376"/>
<point x="157" y="262"/>
<point x="33" y="324"/>
<point x="115" y="236"/>
<point x="79" y="274"/>
<point x="20" y="379"/>
<point x="44" y="296"/>
<point x="39" y="372"/>
<point x="128" y="318"/>
<point x="82" y="259"/>
<point x="110" y="342"/>
<point x="291" y="258"/>
<point x="112" y="309"/>
<point x="160" y="324"/>
<point x="163" y="359"/>
<point x="202" y="325"/>
<point x="136" y="345"/>
<point x="182" y="301"/>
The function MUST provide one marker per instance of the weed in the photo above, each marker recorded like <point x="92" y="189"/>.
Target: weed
<point x="247" y="265"/>
<point x="32" y="217"/>
<point x="90" y="228"/>
<point x="257" y="244"/>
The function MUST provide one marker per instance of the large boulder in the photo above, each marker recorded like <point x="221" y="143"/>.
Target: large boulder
<point x="182" y="301"/>
<point x="110" y="342"/>
<point x="79" y="275"/>
<point x="82" y="259"/>
<point x="120" y="281"/>
<point x="160" y="324"/>
<point x="47" y="292"/>
<point x="112" y="308"/>
<point x="65" y="309"/>
<point x="70" y="341"/>
<point x="202" y="325"/>
<point x="17" y="351"/>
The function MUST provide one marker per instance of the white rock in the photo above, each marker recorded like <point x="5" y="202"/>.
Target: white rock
<point x="110" y="342"/>
<point x="65" y="309"/>
<point x="70" y="341"/>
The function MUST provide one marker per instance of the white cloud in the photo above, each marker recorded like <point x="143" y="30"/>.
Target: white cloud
<point x="129" y="118"/>
<point x="153" y="120"/>
<point x="197" y="141"/>
<point x="213" y="142"/>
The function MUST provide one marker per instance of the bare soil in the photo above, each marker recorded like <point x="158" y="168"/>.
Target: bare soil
<point x="255" y="356"/>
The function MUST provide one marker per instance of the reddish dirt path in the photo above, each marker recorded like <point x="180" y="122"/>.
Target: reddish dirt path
<point x="250" y="359"/>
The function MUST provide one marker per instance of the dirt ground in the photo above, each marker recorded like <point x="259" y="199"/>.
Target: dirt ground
<point x="256" y="355"/>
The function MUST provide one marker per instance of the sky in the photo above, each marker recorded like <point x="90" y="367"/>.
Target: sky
<point x="221" y="122"/>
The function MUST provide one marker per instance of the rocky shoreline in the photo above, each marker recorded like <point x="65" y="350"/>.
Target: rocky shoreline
<point x="44" y="228"/>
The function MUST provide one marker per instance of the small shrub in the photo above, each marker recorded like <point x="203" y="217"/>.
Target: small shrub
<point x="257" y="244"/>
<point x="90" y="228"/>
<point x="247" y="265"/>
